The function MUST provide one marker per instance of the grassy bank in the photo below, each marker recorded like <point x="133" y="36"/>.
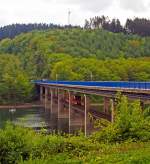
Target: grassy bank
<point x="24" y="146"/>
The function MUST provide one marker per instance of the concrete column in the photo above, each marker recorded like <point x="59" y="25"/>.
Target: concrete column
<point x="69" y="111"/>
<point x="85" y="115"/>
<point x="41" y="94"/>
<point x="106" y="105"/>
<point x="51" y="100"/>
<point x="57" y="92"/>
<point x="58" y="103"/>
<point x="88" y="103"/>
<point x="54" y="94"/>
<point x="46" y="96"/>
<point x="64" y="95"/>
<point x="112" y="110"/>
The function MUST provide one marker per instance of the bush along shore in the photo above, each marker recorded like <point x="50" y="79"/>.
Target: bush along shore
<point x="127" y="140"/>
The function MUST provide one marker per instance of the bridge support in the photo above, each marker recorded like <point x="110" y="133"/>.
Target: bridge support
<point x="46" y="97"/>
<point x="86" y="108"/>
<point x="106" y="105"/>
<point x="85" y="115"/>
<point x="41" y="94"/>
<point x="51" y="100"/>
<point x="58" y="103"/>
<point x="69" y="111"/>
<point x="112" y="110"/>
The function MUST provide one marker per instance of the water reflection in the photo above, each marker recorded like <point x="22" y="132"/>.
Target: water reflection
<point x="38" y="118"/>
<point x="33" y="117"/>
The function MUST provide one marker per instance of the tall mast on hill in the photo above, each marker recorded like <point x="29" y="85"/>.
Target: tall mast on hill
<point x="69" y="13"/>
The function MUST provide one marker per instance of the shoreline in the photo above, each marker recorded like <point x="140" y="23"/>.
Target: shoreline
<point x="22" y="106"/>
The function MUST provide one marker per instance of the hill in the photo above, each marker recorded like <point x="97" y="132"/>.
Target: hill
<point x="70" y="54"/>
<point x="10" y="31"/>
<point x="79" y="43"/>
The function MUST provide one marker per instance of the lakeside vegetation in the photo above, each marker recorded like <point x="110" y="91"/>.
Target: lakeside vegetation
<point x="127" y="140"/>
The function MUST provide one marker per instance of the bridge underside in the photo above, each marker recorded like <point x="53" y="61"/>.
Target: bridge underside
<point x="68" y="94"/>
<point x="142" y="94"/>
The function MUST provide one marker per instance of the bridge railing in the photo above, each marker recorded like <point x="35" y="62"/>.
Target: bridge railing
<point x="109" y="84"/>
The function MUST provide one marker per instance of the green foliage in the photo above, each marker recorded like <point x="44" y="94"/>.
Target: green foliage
<point x="79" y="43"/>
<point x="99" y="70"/>
<point x="22" y="145"/>
<point x="19" y="144"/>
<point x="130" y="123"/>
<point x="14" y="84"/>
<point x="72" y="54"/>
<point x="15" y="144"/>
<point x="57" y="159"/>
<point x="132" y="153"/>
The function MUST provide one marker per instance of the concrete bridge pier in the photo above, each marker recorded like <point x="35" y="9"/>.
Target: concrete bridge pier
<point x="112" y="102"/>
<point x="86" y="109"/>
<point x="46" y="98"/>
<point x="109" y="107"/>
<point x="51" y="96"/>
<point x="70" y="110"/>
<point x="62" y="113"/>
<point x="106" y="106"/>
<point x="41" y="94"/>
<point x="60" y="102"/>
<point x="69" y="93"/>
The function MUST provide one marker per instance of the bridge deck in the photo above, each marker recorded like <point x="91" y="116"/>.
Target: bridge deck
<point x="110" y="84"/>
<point x="137" y="90"/>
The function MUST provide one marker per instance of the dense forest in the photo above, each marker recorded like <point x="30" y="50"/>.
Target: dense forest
<point x="138" y="26"/>
<point x="10" y="31"/>
<point x="70" y="54"/>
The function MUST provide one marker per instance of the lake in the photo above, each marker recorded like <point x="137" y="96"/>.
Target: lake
<point x="39" y="118"/>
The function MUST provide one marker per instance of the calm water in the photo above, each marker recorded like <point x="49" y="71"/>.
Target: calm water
<point x="34" y="117"/>
<point x="37" y="118"/>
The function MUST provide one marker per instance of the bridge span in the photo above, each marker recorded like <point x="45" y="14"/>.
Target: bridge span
<point x="78" y="92"/>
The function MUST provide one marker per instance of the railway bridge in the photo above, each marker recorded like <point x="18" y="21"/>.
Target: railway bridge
<point x="78" y="93"/>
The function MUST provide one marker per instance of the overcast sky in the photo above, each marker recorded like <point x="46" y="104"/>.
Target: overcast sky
<point x="55" y="11"/>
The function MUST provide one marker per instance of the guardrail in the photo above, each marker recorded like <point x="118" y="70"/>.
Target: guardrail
<point x="109" y="84"/>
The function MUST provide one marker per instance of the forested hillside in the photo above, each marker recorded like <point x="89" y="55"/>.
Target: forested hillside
<point x="70" y="54"/>
<point x="139" y="26"/>
<point x="10" y="31"/>
<point x="78" y="43"/>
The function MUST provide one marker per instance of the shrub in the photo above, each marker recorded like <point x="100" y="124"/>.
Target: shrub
<point x="130" y="123"/>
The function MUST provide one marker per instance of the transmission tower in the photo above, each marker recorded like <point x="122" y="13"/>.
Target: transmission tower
<point x="69" y="14"/>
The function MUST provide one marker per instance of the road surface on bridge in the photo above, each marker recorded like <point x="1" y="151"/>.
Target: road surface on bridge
<point x="133" y="90"/>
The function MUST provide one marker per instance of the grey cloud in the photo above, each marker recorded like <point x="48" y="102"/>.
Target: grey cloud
<point x="134" y="5"/>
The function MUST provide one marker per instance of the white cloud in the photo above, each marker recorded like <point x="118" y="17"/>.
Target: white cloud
<point x="91" y="5"/>
<point x="55" y="11"/>
<point x="135" y="5"/>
